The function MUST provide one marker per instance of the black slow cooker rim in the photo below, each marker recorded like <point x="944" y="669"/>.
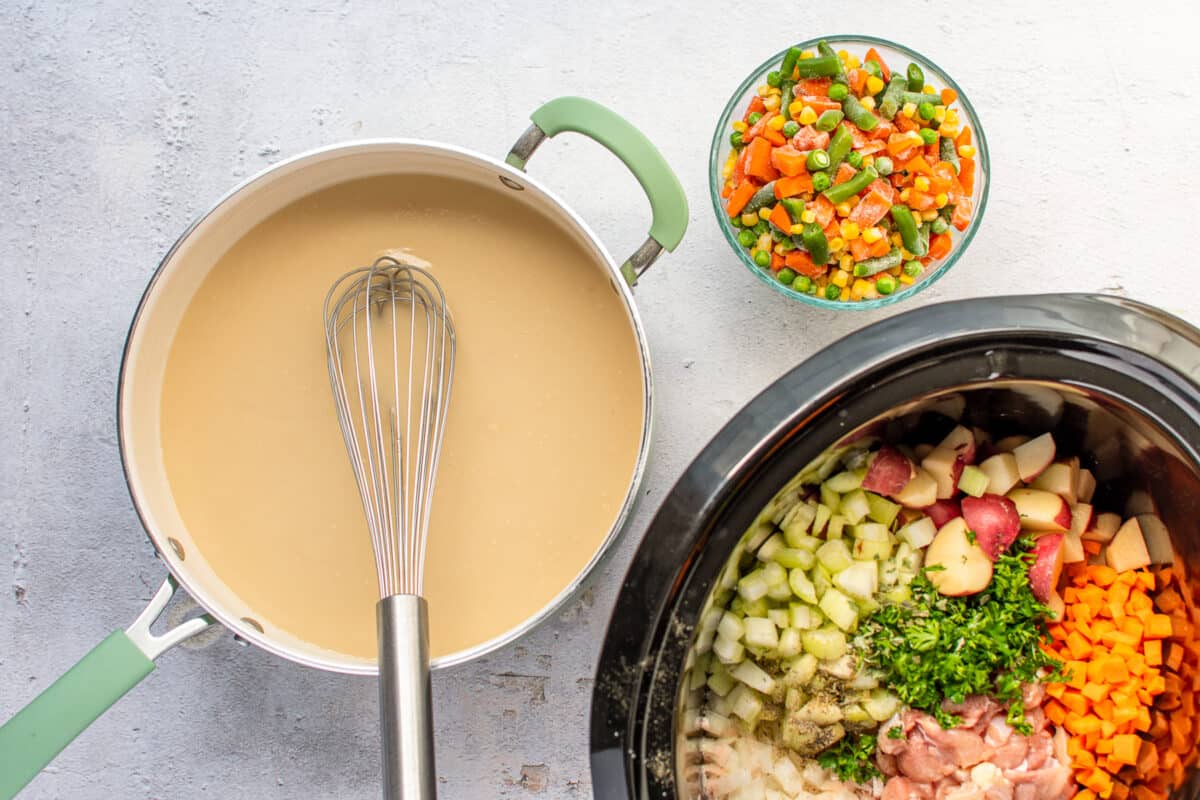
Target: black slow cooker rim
<point x="1116" y="335"/>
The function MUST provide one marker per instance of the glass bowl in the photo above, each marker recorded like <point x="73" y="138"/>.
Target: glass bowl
<point x="896" y="56"/>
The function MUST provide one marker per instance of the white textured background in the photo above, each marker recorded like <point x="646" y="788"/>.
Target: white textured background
<point x="120" y="122"/>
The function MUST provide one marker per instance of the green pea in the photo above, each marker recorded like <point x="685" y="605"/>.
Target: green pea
<point x="939" y="225"/>
<point x="872" y="67"/>
<point x="925" y="110"/>
<point x="885" y="284"/>
<point x="760" y="228"/>
<point x="838" y="91"/>
<point x="884" y="166"/>
<point x="747" y="238"/>
<point x="832" y="292"/>
<point x="762" y="258"/>
<point x="854" y="159"/>
<point x="929" y="135"/>
<point x="786" y="276"/>
<point x="773" y="78"/>
<point x="802" y="283"/>
<point x="817" y="160"/>
<point x="735" y="139"/>
<point x="821" y="181"/>
<point x="791" y="128"/>
<point x="913" y="268"/>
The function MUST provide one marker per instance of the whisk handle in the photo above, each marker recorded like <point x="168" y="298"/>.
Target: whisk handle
<point x="406" y="712"/>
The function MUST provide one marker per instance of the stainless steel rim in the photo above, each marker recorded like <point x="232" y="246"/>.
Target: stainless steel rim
<point x="511" y="178"/>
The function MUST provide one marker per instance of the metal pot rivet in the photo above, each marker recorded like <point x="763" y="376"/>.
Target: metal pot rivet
<point x="510" y="183"/>
<point x="177" y="547"/>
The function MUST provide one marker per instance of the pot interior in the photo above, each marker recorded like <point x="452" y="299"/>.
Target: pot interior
<point x="230" y="442"/>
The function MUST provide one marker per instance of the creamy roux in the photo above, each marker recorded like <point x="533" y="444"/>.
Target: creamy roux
<point x="541" y="440"/>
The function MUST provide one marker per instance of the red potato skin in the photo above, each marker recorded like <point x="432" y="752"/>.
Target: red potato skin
<point x="943" y="511"/>
<point x="1047" y="566"/>
<point x="962" y="441"/>
<point x="994" y="520"/>
<point x="889" y="472"/>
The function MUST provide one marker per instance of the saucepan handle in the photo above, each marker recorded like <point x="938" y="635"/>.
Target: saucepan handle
<point x="667" y="201"/>
<point x="39" y="732"/>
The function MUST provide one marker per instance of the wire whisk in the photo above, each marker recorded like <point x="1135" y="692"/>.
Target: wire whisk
<point x="391" y="345"/>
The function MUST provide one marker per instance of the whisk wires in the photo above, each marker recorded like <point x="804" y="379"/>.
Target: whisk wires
<point x="390" y="343"/>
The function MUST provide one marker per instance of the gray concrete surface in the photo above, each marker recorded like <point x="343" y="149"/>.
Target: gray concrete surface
<point x="121" y="121"/>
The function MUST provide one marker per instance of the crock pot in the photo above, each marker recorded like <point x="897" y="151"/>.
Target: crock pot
<point x="1115" y="381"/>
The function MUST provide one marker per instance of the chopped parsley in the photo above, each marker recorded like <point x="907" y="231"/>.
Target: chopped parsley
<point x="934" y="647"/>
<point x="850" y="759"/>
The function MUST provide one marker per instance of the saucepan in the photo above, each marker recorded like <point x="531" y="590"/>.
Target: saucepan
<point x="1116" y="382"/>
<point x="37" y="733"/>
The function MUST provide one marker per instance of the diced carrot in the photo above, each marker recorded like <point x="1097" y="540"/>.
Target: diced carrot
<point x="948" y="96"/>
<point x="781" y="219"/>
<point x="856" y="78"/>
<point x="1158" y="626"/>
<point x="809" y="138"/>
<point x="859" y="249"/>
<point x="823" y="209"/>
<point x="1114" y="670"/>
<point x="1091" y="548"/>
<point x="964" y="137"/>
<point x="1173" y="656"/>
<point x="1095" y="692"/>
<point x="756" y="130"/>
<point x="1075" y="703"/>
<point x="833" y="229"/>
<point x="1143" y="721"/>
<point x="790" y="187"/>
<point x="884" y="188"/>
<point x="1055" y="712"/>
<point x="921" y="201"/>
<point x="1077" y="673"/>
<point x="844" y="173"/>
<point x="1102" y="575"/>
<point x="819" y="86"/>
<point x="942" y="177"/>
<point x="757" y="106"/>
<point x="1168" y="601"/>
<point x="939" y="245"/>
<point x="820" y="104"/>
<point x="904" y="124"/>
<point x="740" y="196"/>
<point x="726" y="190"/>
<point x="1084" y="794"/>
<point x="1181" y="626"/>
<point x="899" y="143"/>
<point x="961" y="217"/>
<point x="802" y="263"/>
<point x="1080" y="647"/>
<point x="1104" y="710"/>
<point x="872" y="208"/>
<point x="776" y="262"/>
<point x="774" y="137"/>
<point x="873" y="55"/>
<point x="758" y="164"/>
<point x="1082" y="724"/>
<point x="880" y="248"/>
<point x="1056" y="690"/>
<point x="920" y="166"/>
<point x="789" y="161"/>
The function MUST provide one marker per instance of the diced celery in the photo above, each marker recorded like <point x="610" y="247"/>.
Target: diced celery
<point x="745" y="704"/>
<point x="773" y="573"/>
<point x="753" y="586"/>
<point x="839" y="609"/>
<point x="756" y="609"/>
<point x="898" y="595"/>
<point x="844" y="482"/>
<point x="973" y="481"/>
<point x="859" y="580"/>
<point x="821" y="710"/>
<point x="855" y="506"/>
<point x="789" y="643"/>
<point x="808" y="544"/>
<point x="793" y="698"/>
<point x="889" y="573"/>
<point x="780" y="591"/>
<point x="836" y="525"/>
<point x="822" y="519"/>
<point x="909" y="558"/>
<point x="872" y="531"/>
<point x="918" y="533"/>
<point x="806" y="617"/>
<point x="721" y="708"/>
<point x="804" y="668"/>
<point x="830" y="499"/>
<point x="868" y="606"/>
<point x="761" y="633"/>
<point x="801" y="586"/>
<point x="780" y="616"/>
<point x="792" y="557"/>
<point x="754" y="676"/>
<point x="825" y="643"/>
<point x="864" y="679"/>
<point x="731" y="627"/>
<point x="770" y="547"/>
<point x="821" y="579"/>
<point x="834" y="556"/>
<point x="866" y="550"/>
<point x="843" y="667"/>
<point x="882" y="705"/>
<point x="721" y="682"/>
<point x="881" y="510"/>
<point x="758" y="535"/>
<point x="798" y="522"/>
<point x="728" y="650"/>
<point x="737" y="606"/>
<point x="853" y="712"/>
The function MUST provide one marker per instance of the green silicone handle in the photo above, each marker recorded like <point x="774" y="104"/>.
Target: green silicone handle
<point x="667" y="200"/>
<point x="39" y="732"/>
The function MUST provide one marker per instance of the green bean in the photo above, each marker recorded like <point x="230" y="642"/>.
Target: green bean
<point x="906" y="224"/>
<point x="946" y="212"/>
<point x="871" y="266"/>
<point x="786" y="88"/>
<point x="948" y="152"/>
<point x="916" y="78"/>
<point x="760" y="198"/>
<point x="885" y="284"/>
<point x="815" y="243"/>
<point x="872" y="67"/>
<point x="794" y="207"/>
<point x="838" y="91"/>
<point x="817" y="160"/>
<point x="924" y="239"/>
<point x="890" y="103"/>
<point x="819" y="67"/>
<point x="827" y="121"/>
<point x="789" y="63"/>
<point x="839" y="147"/>
<point x="825" y="50"/>
<point x="786" y="276"/>
<point x="844" y="191"/>
<point x="916" y="98"/>
<point x="858" y="114"/>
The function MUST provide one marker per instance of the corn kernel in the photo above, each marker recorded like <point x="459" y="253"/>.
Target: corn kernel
<point x="740" y="126"/>
<point x="868" y="161"/>
<point x="941" y="199"/>
<point x="907" y="280"/>
<point x="807" y="116"/>
<point x="858" y="289"/>
<point x="779" y="249"/>
<point x="908" y="109"/>
<point x="907" y="256"/>
<point x="763" y="90"/>
<point x="795" y="107"/>
<point x="765" y="242"/>
<point x="776" y="122"/>
<point x="837" y="243"/>
<point x="846" y="262"/>
<point x="966" y="150"/>
<point x="844" y="295"/>
<point x="948" y="130"/>
<point x="842" y="209"/>
<point x="764" y="213"/>
<point x="806" y="54"/>
<point x="774" y="91"/>
<point x="872" y="235"/>
<point x="771" y="103"/>
<point x="897" y="240"/>
<point x="939" y="114"/>
<point x="853" y="201"/>
<point x="850" y="230"/>
<point x="874" y="85"/>
<point x="921" y="183"/>
<point x="853" y="62"/>
<point x="867" y="102"/>
<point x="904" y="193"/>
<point x="749" y="219"/>
<point x="896" y="270"/>
<point x="840" y="277"/>
<point x="727" y="170"/>
<point x="929" y="215"/>
<point x="930" y="90"/>
<point x="843" y="54"/>
<point x="796" y="229"/>
<point x="808" y="216"/>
